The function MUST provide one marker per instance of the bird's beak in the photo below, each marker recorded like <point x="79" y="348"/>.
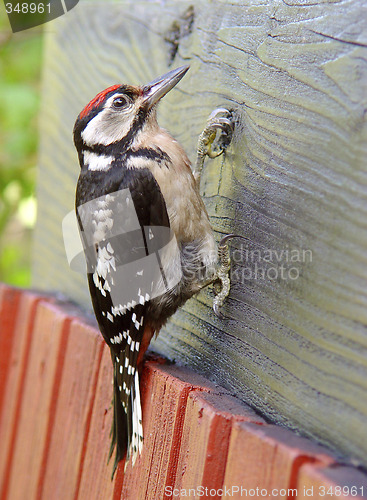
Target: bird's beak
<point x="155" y="90"/>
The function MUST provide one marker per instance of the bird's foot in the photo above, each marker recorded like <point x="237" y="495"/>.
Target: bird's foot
<point x="222" y="281"/>
<point x="213" y="142"/>
<point x="215" y="138"/>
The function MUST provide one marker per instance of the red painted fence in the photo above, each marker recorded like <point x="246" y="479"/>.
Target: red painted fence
<point x="55" y="419"/>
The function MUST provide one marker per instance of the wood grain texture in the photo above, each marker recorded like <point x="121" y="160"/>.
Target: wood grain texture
<point x="273" y="458"/>
<point x="37" y="409"/>
<point x="294" y="341"/>
<point x="12" y="385"/>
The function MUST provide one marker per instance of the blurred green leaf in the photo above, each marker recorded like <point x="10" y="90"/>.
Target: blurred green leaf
<point x="20" y="70"/>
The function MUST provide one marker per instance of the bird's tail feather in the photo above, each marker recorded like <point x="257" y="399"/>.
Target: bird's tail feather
<point x="127" y="428"/>
<point x="119" y="429"/>
<point x="136" y="444"/>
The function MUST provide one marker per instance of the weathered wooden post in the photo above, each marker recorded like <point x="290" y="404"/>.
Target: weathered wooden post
<point x="293" y="341"/>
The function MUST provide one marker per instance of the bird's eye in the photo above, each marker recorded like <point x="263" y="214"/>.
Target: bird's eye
<point x="119" y="102"/>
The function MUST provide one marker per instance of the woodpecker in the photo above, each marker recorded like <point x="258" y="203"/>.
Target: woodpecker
<point x="146" y="233"/>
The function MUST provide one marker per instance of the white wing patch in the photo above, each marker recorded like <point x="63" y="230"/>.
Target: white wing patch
<point x="105" y="262"/>
<point x="137" y="324"/>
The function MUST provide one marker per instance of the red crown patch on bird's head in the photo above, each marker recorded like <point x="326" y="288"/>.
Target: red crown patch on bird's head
<point x="96" y="101"/>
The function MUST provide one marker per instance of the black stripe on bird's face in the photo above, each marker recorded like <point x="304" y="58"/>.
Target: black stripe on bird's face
<point x="155" y="154"/>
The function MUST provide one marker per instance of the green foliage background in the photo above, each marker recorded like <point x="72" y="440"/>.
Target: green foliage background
<point x="20" y="70"/>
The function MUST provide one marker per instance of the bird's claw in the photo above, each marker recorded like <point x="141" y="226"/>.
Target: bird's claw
<point x="222" y="276"/>
<point x="217" y="310"/>
<point x="223" y="271"/>
<point x="215" y="138"/>
<point x="213" y="141"/>
<point x="215" y="146"/>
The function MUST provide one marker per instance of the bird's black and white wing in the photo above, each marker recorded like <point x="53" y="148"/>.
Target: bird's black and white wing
<point x="122" y="233"/>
